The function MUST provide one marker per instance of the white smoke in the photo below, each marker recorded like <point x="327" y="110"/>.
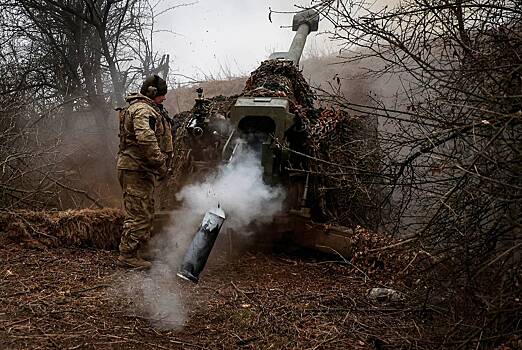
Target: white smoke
<point x="157" y="296"/>
<point x="238" y="188"/>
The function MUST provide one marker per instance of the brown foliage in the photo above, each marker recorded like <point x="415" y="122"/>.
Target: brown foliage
<point x="79" y="228"/>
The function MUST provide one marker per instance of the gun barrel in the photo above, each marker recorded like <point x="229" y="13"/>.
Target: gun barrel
<point x="304" y="23"/>
<point x="296" y="49"/>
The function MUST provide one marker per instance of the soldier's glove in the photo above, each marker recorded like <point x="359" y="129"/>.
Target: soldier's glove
<point x="162" y="172"/>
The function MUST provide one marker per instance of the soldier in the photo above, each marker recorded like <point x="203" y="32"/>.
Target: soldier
<point x="144" y="157"/>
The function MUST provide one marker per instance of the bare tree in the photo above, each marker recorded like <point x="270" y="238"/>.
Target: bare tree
<point x="67" y="65"/>
<point x="450" y="133"/>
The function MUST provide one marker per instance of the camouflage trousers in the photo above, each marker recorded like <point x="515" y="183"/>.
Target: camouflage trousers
<point x="138" y="201"/>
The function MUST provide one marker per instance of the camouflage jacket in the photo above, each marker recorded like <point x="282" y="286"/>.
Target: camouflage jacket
<point x="145" y="136"/>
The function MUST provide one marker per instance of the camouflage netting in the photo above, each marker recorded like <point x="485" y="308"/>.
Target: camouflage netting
<point x="348" y="149"/>
<point x="181" y="165"/>
<point x="221" y="105"/>
<point x="87" y="228"/>
<point x="281" y="79"/>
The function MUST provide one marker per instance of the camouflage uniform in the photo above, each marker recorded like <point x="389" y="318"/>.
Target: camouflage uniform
<point x="145" y="155"/>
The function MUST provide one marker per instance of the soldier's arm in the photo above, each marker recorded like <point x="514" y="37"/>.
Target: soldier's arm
<point x="147" y="138"/>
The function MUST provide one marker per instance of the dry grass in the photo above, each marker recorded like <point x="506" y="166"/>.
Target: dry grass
<point x="79" y="228"/>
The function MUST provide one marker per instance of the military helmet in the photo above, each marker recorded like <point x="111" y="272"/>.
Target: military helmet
<point x="154" y="86"/>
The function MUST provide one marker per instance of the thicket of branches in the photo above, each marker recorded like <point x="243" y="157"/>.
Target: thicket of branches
<point x="64" y="66"/>
<point x="450" y="135"/>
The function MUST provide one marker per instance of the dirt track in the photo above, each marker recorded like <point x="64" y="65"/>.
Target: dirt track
<point x="71" y="299"/>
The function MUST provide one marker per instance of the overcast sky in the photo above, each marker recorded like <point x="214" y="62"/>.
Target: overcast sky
<point x="218" y="37"/>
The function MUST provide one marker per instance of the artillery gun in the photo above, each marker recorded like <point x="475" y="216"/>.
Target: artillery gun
<point x="272" y="116"/>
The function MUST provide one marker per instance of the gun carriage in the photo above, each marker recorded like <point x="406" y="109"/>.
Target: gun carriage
<point x="272" y="116"/>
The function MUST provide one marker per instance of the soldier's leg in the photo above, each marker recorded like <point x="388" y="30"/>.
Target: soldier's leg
<point x="138" y="190"/>
<point x="145" y="250"/>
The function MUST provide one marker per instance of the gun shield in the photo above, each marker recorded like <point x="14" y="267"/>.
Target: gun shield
<point x="199" y="250"/>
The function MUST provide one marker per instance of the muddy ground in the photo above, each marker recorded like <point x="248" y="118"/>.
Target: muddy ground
<point x="70" y="298"/>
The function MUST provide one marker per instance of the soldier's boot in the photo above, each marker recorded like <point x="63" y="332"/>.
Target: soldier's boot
<point x="133" y="261"/>
<point x="145" y="252"/>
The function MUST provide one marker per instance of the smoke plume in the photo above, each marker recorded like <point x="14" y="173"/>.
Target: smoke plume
<point x="238" y="188"/>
